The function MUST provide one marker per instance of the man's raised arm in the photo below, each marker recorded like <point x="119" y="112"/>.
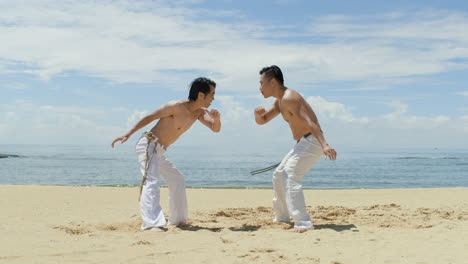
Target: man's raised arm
<point x="211" y="119"/>
<point x="263" y="116"/>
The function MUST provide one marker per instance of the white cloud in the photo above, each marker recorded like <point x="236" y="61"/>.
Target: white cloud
<point x="126" y="41"/>
<point x="381" y="84"/>
<point x="72" y="110"/>
<point x="165" y="42"/>
<point x="400" y="109"/>
<point x="135" y="117"/>
<point x="392" y="43"/>
<point x="342" y="129"/>
<point x="10" y="116"/>
<point x="392" y="130"/>
<point x="60" y="125"/>
<point x="333" y="110"/>
<point x="232" y="110"/>
<point x="27" y="123"/>
<point x="415" y="25"/>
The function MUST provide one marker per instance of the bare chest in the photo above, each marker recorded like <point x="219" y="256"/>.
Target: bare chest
<point x="182" y="121"/>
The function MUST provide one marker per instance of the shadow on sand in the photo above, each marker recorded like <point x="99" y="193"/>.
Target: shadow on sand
<point x="245" y="228"/>
<point x="251" y="228"/>
<point x="337" y="228"/>
<point x="198" y="228"/>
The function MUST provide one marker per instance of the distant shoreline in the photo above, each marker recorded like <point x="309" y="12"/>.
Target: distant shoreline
<point x="233" y="188"/>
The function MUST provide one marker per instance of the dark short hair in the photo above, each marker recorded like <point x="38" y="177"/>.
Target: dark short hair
<point x="273" y="71"/>
<point x="200" y="84"/>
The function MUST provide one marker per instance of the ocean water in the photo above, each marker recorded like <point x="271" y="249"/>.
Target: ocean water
<point x="202" y="167"/>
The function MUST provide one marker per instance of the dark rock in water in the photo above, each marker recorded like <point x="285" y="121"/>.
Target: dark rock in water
<point x="8" y="156"/>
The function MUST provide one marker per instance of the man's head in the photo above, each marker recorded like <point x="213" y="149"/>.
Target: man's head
<point x="271" y="78"/>
<point x="202" y="90"/>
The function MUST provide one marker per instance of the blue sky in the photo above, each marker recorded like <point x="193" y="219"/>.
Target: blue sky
<point x="379" y="74"/>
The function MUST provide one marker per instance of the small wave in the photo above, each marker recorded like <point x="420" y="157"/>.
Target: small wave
<point x="413" y="158"/>
<point x="3" y="156"/>
<point x="428" y="158"/>
<point x="114" y="185"/>
<point x="57" y="157"/>
<point x="90" y="158"/>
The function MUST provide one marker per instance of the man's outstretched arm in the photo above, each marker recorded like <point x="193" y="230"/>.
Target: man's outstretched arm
<point x="165" y="110"/>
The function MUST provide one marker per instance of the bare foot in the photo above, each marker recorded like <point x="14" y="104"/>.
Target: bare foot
<point x="299" y="230"/>
<point x="157" y="229"/>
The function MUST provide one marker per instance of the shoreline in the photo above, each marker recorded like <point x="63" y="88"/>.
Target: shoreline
<point x="239" y="187"/>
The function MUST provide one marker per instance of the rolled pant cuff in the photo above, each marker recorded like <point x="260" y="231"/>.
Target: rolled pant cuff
<point x="280" y="220"/>
<point x="143" y="227"/>
<point x="304" y="225"/>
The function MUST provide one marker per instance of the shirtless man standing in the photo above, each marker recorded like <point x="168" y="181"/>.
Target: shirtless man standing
<point x="288" y="197"/>
<point x="174" y="119"/>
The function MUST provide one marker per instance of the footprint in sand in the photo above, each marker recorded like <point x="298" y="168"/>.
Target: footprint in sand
<point x="72" y="231"/>
<point x="141" y="242"/>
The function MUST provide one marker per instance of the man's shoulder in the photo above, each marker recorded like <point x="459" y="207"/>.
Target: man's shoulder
<point x="176" y="103"/>
<point x="174" y="106"/>
<point x="291" y="97"/>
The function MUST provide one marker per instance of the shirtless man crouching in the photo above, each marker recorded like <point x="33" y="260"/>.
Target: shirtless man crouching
<point x="288" y="200"/>
<point x="174" y="119"/>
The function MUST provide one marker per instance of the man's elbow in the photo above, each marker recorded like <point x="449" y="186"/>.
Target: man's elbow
<point x="149" y="118"/>
<point x="216" y="129"/>
<point x="260" y="121"/>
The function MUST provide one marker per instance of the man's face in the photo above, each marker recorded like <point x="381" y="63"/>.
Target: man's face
<point x="209" y="97"/>
<point x="265" y="86"/>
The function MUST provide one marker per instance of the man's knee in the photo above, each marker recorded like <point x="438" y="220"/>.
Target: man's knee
<point x="175" y="179"/>
<point x="294" y="178"/>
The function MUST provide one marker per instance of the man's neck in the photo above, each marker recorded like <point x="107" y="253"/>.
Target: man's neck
<point x="279" y="92"/>
<point x="193" y="106"/>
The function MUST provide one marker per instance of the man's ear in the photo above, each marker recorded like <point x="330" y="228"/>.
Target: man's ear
<point x="272" y="81"/>
<point x="201" y="95"/>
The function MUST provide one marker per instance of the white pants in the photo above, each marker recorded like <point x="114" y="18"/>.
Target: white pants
<point x="151" y="211"/>
<point x="288" y="199"/>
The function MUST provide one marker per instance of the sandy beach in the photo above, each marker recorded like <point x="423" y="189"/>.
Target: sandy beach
<point x="55" y="224"/>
